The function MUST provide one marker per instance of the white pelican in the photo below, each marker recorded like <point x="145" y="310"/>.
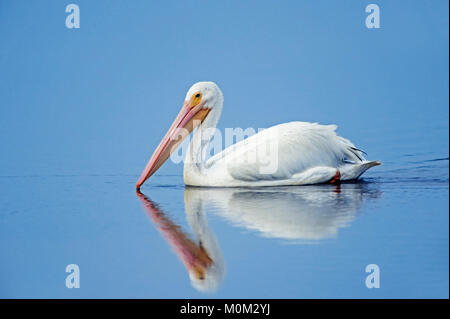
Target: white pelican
<point x="306" y="153"/>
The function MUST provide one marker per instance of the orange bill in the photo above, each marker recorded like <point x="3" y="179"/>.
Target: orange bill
<point x="187" y="120"/>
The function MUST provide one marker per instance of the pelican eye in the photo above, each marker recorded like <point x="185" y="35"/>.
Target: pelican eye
<point x="196" y="99"/>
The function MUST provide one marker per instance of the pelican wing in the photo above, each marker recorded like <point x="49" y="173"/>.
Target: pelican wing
<point x="295" y="150"/>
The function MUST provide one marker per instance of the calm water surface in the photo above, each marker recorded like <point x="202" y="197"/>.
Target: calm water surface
<point x="176" y="241"/>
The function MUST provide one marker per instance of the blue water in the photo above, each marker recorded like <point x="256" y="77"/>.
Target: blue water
<point x="288" y="242"/>
<point x="82" y="110"/>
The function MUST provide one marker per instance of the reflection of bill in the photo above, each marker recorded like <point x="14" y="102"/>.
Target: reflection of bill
<point x="203" y="260"/>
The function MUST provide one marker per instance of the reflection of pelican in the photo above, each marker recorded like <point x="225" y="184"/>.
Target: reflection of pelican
<point x="305" y="213"/>
<point x="203" y="260"/>
<point x="301" y="152"/>
<point x="293" y="213"/>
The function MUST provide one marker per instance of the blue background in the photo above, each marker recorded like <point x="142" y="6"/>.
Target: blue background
<point x="81" y="111"/>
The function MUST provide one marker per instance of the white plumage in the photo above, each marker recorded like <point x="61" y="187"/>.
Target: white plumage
<point x="308" y="153"/>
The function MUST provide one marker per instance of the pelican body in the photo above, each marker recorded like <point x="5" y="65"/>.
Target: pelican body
<point x="302" y="153"/>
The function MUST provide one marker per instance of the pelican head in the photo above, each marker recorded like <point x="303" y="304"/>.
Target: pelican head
<point x="201" y="99"/>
